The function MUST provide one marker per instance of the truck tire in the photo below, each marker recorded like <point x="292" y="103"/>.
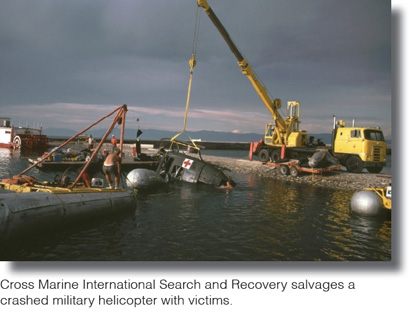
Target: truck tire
<point x="354" y="164"/>
<point x="294" y="172"/>
<point x="284" y="170"/>
<point x="275" y="156"/>
<point x="374" y="170"/>
<point x="263" y="155"/>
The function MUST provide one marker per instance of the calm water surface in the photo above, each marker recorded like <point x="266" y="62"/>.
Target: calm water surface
<point x="261" y="219"/>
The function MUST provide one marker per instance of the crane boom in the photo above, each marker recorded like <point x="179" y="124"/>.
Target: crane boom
<point x="285" y="133"/>
<point x="272" y="105"/>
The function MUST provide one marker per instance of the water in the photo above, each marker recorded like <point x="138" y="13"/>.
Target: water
<point x="261" y="219"/>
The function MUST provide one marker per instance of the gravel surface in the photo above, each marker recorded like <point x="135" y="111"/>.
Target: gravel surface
<point x="334" y="179"/>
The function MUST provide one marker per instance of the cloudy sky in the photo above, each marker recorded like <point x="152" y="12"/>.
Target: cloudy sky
<point x="67" y="63"/>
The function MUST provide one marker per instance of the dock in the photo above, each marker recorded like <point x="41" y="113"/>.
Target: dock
<point x="129" y="160"/>
<point x="126" y="165"/>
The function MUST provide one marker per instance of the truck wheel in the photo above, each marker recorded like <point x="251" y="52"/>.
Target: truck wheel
<point x="275" y="156"/>
<point x="263" y="155"/>
<point x="374" y="170"/>
<point x="354" y="164"/>
<point x="294" y="172"/>
<point x="284" y="170"/>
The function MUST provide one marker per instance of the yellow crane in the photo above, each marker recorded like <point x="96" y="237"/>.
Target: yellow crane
<point x="355" y="148"/>
<point x="283" y="131"/>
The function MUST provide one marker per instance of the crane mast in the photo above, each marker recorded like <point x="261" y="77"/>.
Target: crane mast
<point x="283" y="127"/>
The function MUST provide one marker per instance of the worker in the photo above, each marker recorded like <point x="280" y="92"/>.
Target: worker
<point x="114" y="142"/>
<point x="112" y="165"/>
<point x="91" y="142"/>
<point x="138" y="145"/>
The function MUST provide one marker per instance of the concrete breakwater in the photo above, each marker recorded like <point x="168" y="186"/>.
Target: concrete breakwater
<point x="157" y="143"/>
<point x="218" y="145"/>
<point x="210" y="145"/>
<point x="83" y="139"/>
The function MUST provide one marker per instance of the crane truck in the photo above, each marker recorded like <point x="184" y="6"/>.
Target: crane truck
<point x="283" y="138"/>
<point x="283" y="132"/>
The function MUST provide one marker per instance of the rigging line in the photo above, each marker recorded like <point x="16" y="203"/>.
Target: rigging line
<point x="196" y="32"/>
<point x="192" y="64"/>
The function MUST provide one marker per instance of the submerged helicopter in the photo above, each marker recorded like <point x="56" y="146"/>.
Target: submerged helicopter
<point x="175" y="164"/>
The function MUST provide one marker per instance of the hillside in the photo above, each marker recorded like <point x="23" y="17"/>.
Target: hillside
<point x="151" y="134"/>
<point x="206" y="136"/>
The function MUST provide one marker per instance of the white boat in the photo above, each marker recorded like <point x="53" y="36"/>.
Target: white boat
<point x="20" y="137"/>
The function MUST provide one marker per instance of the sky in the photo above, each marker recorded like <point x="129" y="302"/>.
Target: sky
<point x="65" y="64"/>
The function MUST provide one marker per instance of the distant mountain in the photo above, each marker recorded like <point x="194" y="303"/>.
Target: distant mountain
<point x="59" y="132"/>
<point x="206" y="136"/>
<point x="155" y="135"/>
<point x="151" y="134"/>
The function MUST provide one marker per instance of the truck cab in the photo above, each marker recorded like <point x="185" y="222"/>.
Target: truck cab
<point x="359" y="147"/>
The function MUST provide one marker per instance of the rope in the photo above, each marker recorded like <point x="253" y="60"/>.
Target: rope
<point x="196" y="33"/>
<point x="192" y="64"/>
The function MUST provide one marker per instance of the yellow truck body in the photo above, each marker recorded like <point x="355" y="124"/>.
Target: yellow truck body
<point x="360" y="147"/>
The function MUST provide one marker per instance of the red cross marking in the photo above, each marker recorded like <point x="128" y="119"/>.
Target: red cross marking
<point x="187" y="163"/>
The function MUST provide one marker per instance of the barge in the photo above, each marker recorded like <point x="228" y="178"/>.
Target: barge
<point x="28" y="209"/>
<point x="27" y="205"/>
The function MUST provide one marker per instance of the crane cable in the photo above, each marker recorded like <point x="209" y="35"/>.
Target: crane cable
<point x="192" y="64"/>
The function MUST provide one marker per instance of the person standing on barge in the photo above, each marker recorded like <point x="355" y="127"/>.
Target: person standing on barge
<point x="112" y="165"/>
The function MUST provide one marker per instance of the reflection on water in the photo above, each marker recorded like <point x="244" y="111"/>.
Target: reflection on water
<point x="6" y="156"/>
<point x="261" y="219"/>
